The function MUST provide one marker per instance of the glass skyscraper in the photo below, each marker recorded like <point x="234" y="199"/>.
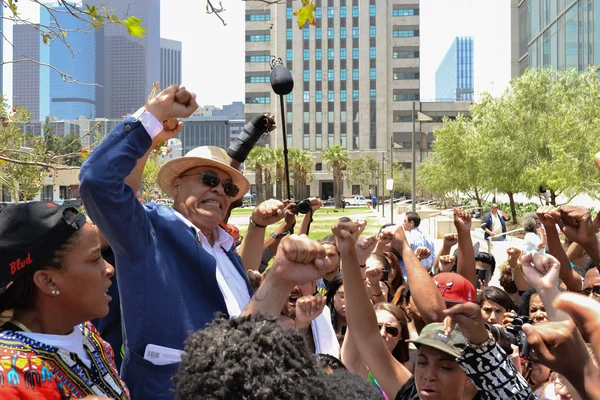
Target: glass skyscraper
<point x="454" y="76"/>
<point x="170" y="63"/>
<point x="62" y="99"/>
<point x="556" y="33"/>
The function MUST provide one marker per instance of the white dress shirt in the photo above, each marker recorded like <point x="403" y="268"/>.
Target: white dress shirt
<point x="231" y="284"/>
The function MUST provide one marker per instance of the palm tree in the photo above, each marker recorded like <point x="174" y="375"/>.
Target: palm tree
<point x="279" y="164"/>
<point x="268" y="163"/>
<point x="337" y="157"/>
<point x="255" y="161"/>
<point x="301" y="163"/>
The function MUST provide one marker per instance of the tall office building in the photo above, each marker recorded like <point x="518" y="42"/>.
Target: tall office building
<point x="26" y="75"/>
<point x="454" y="76"/>
<point x="356" y="77"/>
<point x="1" y="51"/>
<point x="562" y="34"/>
<point x="170" y="62"/>
<point x="126" y="66"/>
<point x="67" y="100"/>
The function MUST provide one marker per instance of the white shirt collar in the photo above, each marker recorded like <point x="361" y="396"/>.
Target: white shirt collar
<point x="221" y="237"/>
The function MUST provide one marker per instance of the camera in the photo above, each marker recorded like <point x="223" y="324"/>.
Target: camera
<point x="513" y="334"/>
<point x="386" y="275"/>
<point x="303" y="206"/>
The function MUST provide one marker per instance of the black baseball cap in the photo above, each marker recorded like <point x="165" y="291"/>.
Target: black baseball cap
<point x="30" y="233"/>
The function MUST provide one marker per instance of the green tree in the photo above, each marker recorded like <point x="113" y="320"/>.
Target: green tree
<point x="149" y="182"/>
<point x="337" y="157"/>
<point x="301" y="163"/>
<point x="268" y="164"/>
<point x="255" y="161"/>
<point x="278" y="162"/>
<point x="364" y="171"/>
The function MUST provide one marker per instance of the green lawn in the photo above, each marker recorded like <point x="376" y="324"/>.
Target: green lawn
<point x="323" y="220"/>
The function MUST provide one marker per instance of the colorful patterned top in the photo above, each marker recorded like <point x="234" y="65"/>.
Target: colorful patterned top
<point x="33" y="370"/>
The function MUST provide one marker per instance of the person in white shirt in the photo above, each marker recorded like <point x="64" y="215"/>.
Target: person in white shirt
<point x="418" y="241"/>
<point x="535" y="238"/>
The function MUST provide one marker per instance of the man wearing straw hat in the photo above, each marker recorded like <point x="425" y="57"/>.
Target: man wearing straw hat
<point x="176" y="267"/>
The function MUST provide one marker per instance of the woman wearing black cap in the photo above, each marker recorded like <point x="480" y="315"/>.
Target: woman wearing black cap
<point x="54" y="279"/>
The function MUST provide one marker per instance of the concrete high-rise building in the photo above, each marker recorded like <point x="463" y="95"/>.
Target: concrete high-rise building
<point x="356" y="76"/>
<point x="126" y="66"/>
<point x="170" y="62"/>
<point x="1" y="51"/>
<point x="560" y="34"/>
<point x="27" y="75"/>
<point x="67" y="100"/>
<point x="454" y="76"/>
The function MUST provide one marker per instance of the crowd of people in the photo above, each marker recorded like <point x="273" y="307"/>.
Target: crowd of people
<point x="142" y="301"/>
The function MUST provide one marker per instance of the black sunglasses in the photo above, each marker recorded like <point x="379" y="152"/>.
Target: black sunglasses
<point x="588" y="291"/>
<point x="211" y="179"/>
<point x="390" y="330"/>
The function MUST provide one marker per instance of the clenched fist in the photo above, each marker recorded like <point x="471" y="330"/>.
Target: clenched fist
<point x="308" y="308"/>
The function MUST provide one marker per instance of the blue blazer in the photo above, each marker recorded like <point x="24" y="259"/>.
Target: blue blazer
<point x="167" y="281"/>
<point x="487" y="223"/>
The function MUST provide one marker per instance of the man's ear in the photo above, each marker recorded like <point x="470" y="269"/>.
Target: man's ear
<point x="175" y="186"/>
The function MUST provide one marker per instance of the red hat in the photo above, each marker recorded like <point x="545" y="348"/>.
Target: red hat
<point x="455" y="288"/>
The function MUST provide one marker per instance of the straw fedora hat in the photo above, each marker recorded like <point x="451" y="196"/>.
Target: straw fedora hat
<point x="204" y="156"/>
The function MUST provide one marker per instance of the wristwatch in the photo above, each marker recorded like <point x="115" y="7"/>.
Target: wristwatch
<point x="279" y="235"/>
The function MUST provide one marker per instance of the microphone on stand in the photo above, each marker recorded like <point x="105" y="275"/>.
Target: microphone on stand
<point x="282" y="84"/>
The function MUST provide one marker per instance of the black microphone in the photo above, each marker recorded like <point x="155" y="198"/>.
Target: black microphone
<point x="281" y="80"/>
<point x="254" y="130"/>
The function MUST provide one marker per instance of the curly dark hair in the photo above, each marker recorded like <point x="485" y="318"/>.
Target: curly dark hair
<point x="344" y="385"/>
<point x="248" y="358"/>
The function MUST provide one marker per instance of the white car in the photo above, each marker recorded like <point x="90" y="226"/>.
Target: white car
<point x="356" y="201"/>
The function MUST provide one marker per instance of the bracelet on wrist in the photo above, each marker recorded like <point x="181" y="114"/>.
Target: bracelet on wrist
<point x="377" y="294"/>
<point x="483" y="344"/>
<point x="255" y="224"/>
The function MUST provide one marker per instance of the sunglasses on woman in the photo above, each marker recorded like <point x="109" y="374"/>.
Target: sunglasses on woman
<point x="390" y="330"/>
<point x="211" y="179"/>
<point x="588" y="291"/>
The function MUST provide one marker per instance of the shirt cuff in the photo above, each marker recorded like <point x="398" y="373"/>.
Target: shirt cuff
<point x="149" y="121"/>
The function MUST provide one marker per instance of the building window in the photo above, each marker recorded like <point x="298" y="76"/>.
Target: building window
<point x="372" y="52"/>
<point x="306" y="54"/>
<point x="343" y="116"/>
<point x="288" y="98"/>
<point x="306" y="34"/>
<point x="288" y="13"/>
<point x="405" y="96"/>
<point x="318" y="75"/>
<point x="306" y="142"/>
<point x="405" y="33"/>
<point x="372" y="31"/>
<point x="373" y="94"/>
<point x="288" y="118"/>
<point x="342" y="74"/>
<point x="354" y="74"/>
<point x="306" y="96"/>
<point x="318" y="166"/>
<point x="306" y="117"/>
<point x="355" y="32"/>
<point x="318" y="96"/>
<point x="318" y="33"/>
<point x="372" y="74"/>
<point x="288" y="54"/>
<point x="306" y="76"/>
<point x="405" y="13"/>
<point x="343" y="32"/>
<point x="355" y="53"/>
<point x="258" y="38"/>
<point x="342" y="11"/>
<point x="330" y="117"/>
<point x="330" y="54"/>
<point x="288" y="34"/>
<point x="405" y="75"/>
<point x="330" y="139"/>
<point x="343" y="53"/>
<point x="318" y="54"/>
<point x="343" y="140"/>
<point x="330" y="33"/>
<point x="257" y="79"/>
<point x="405" y="54"/>
<point x="318" y="12"/>
<point x="343" y="96"/>
<point x="355" y="95"/>
<point x="259" y="17"/>
<point x="257" y="59"/>
<point x="330" y="12"/>
<point x="319" y="144"/>
<point x="330" y="96"/>
<point x="355" y="11"/>
<point x="330" y="75"/>
<point x="258" y="100"/>
<point x="318" y="117"/>
<point x="372" y="10"/>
